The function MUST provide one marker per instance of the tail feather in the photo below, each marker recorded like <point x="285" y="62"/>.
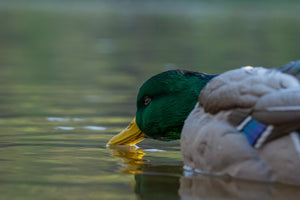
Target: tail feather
<point x="292" y="68"/>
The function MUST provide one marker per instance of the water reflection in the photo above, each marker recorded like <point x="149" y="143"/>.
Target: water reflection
<point x="199" y="187"/>
<point x="132" y="161"/>
<point x="167" y="182"/>
<point x="151" y="181"/>
<point x="150" y="186"/>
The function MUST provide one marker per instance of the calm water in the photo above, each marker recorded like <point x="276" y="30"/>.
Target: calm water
<point x="68" y="81"/>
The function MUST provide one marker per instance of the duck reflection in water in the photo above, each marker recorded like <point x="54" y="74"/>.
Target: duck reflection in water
<point x="132" y="161"/>
<point x="171" y="182"/>
<point x="151" y="181"/>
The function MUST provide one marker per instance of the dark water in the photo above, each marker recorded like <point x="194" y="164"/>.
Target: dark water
<point x="69" y="77"/>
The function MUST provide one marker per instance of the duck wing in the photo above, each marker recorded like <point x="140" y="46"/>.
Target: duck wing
<point x="280" y="111"/>
<point x="260" y="102"/>
<point x="242" y="88"/>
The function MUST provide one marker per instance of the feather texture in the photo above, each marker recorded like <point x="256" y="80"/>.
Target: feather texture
<point x="245" y="125"/>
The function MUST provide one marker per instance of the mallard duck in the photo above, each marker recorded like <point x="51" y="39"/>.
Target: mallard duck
<point x="244" y="123"/>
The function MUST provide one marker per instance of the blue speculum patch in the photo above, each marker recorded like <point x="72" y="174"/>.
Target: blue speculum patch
<point x="253" y="130"/>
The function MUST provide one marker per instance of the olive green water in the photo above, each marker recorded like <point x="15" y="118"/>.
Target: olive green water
<point x="69" y="76"/>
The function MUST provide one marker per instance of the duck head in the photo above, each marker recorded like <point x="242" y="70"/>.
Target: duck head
<point x="163" y="103"/>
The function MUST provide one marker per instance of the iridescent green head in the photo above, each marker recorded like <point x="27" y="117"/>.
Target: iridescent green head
<point x="165" y="100"/>
<point x="163" y="103"/>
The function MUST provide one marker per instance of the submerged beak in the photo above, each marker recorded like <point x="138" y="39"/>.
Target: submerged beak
<point x="129" y="136"/>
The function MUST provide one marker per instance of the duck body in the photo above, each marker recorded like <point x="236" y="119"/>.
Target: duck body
<point x="245" y="125"/>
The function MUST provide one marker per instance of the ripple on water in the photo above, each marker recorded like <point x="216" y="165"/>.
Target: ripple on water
<point x="67" y="128"/>
<point x="155" y="150"/>
<point x="57" y="119"/>
<point x="63" y="119"/>
<point x="95" y="128"/>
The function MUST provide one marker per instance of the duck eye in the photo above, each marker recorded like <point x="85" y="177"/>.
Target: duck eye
<point x="147" y="101"/>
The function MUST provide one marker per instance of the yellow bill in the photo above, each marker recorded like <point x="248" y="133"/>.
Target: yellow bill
<point x="129" y="136"/>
